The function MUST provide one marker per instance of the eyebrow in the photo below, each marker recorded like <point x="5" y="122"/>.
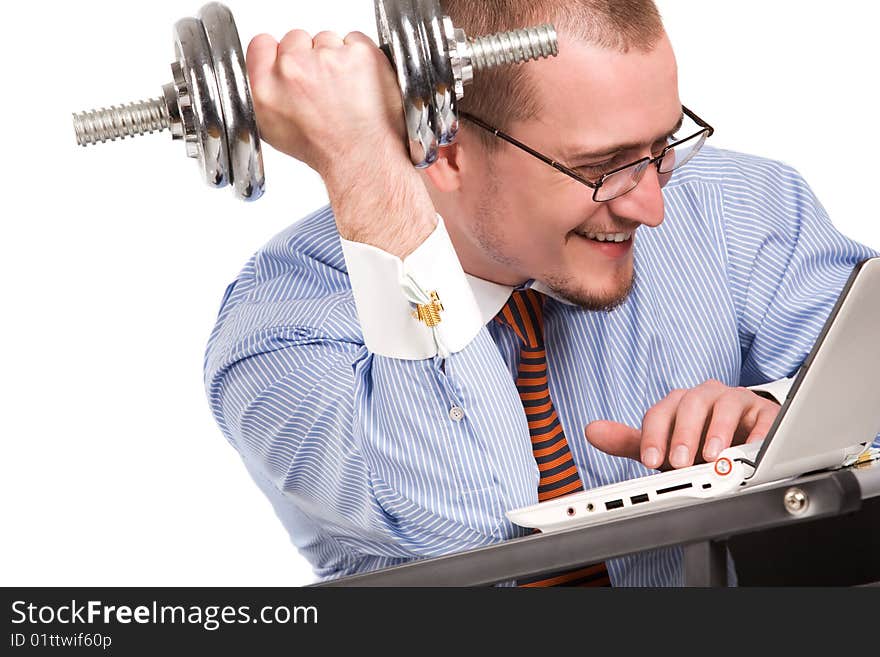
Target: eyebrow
<point x="585" y="155"/>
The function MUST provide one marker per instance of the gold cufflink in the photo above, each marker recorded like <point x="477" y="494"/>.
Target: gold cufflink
<point x="429" y="313"/>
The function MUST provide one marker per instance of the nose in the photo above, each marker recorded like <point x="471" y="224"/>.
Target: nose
<point x="644" y="203"/>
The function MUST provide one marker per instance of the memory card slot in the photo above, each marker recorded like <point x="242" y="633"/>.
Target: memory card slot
<point x="672" y="489"/>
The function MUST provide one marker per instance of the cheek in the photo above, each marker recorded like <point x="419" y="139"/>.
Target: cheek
<point x="537" y="215"/>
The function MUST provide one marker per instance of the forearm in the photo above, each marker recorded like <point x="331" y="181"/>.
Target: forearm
<point x="381" y="201"/>
<point x="366" y="446"/>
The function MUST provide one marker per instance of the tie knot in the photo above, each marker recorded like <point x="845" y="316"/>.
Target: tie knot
<point x="524" y="313"/>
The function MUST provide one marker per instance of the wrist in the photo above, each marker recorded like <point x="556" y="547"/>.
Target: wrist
<point x="366" y="164"/>
<point x="399" y="238"/>
<point x="384" y="204"/>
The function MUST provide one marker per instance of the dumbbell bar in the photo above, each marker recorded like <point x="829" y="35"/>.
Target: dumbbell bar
<point x="208" y="103"/>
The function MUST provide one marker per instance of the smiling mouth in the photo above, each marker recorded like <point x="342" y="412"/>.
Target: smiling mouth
<point x="605" y="237"/>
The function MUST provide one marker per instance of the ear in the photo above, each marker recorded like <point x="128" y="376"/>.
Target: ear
<point x="446" y="172"/>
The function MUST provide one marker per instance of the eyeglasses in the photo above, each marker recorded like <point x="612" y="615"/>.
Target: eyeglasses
<point x="620" y="180"/>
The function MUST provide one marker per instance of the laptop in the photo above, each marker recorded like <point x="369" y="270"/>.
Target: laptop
<point x="830" y="417"/>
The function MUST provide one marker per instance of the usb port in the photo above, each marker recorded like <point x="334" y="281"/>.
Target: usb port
<point x="613" y="504"/>
<point x="638" y="499"/>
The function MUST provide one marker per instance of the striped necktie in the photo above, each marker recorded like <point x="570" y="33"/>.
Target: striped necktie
<point x="524" y="313"/>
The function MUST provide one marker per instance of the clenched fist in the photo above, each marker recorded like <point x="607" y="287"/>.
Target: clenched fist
<point x="688" y="426"/>
<point x="335" y="104"/>
<point x="329" y="102"/>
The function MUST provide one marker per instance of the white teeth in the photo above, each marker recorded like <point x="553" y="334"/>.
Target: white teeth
<point x="607" y="237"/>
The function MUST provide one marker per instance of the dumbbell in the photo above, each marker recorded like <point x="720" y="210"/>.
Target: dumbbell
<point x="208" y="103"/>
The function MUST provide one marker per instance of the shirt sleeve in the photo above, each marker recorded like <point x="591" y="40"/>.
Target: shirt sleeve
<point x="777" y="390"/>
<point x="787" y="265"/>
<point x="374" y="457"/>
<point x="388" y="290"/>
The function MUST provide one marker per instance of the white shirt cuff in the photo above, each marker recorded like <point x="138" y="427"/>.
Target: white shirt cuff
<point x="387" y="291"/>
<point x="777" y="389"/>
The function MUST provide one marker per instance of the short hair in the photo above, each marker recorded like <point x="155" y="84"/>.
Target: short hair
<point x="506" y="94"/>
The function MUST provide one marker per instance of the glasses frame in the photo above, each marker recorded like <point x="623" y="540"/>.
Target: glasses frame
<point x="645" y="162"/>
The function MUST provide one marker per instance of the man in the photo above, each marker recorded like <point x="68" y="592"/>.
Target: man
<point x="371" y="363"/>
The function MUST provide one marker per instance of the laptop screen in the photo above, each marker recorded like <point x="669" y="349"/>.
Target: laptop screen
<point x="833" y="406"/>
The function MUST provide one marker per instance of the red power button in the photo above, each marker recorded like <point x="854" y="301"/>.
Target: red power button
<point x="723" y="467"/>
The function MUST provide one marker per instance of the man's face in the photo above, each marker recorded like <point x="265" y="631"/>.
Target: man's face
<point x="518" y="218"/>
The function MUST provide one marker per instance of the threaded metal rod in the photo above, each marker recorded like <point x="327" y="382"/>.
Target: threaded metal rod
<point x="129" y="120"/>
<point x="513" y="47"/>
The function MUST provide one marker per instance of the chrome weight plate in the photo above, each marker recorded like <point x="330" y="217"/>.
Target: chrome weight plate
<point x="200" y="105"/>
<point x="242" y="136"/>
<point x="399" y="37"/>
<point x="436" y="36"/>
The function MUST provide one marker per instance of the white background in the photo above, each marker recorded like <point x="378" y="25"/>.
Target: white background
<point x="115" y="257"/>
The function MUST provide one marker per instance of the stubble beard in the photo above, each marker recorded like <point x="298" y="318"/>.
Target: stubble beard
<point x="486" y="227"/>
<point x="489" y="222"/>
<point x="604" y="300"/>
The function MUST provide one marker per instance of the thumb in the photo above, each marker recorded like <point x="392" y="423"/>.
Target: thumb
<point x="615" y="438"/>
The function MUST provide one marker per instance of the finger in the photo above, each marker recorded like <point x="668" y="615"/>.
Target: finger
<point x="727" y="414"/>
<point x="657" y="426"/>
<point x="358" y="37"/>
<point x="260" y="57"/>
<point x="294" y="41"/>
<point x="766" y="418"/>
<point x="614" y="438"/>
<point x="691" y="418"/>
<point x="327" y="39"/>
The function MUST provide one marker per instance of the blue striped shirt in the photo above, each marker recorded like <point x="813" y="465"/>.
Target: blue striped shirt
<point x="359" y="454"/>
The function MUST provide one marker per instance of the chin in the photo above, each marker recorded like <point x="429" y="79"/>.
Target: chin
<point x="592" y="294"/>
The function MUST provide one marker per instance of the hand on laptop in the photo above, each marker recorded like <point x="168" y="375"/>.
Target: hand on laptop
<point x="689" y="426"/>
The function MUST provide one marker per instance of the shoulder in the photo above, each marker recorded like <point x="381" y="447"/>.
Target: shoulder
<point x="297" y="280"/>
<point x="736" y="173"/>
<point x="304" y="259"/>
<point x="741" y="192"/>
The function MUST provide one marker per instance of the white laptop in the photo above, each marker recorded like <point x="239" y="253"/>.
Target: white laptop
<point x="830" y="417"/>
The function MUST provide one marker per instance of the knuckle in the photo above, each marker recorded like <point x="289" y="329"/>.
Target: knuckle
<point x="730" y="395"/>
<point x="295" y="34"/>
<point x="325" y="36"/>
<point x="692" y="400"/>
<point x="295" y="41"/>
<point x="289" y="68"/>
<point x="361" y="43"/>
<point x="262" y="41"/>
<point x="653" y="418"/>
<point x="260" y="53"/>
<point x="651" y="413"/>
<point x="327" y="54"/>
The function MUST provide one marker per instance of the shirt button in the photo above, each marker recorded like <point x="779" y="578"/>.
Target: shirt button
<point x="456" y="414"/>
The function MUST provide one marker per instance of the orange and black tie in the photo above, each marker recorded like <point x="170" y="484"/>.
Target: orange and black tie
<point x="524" y="313"/>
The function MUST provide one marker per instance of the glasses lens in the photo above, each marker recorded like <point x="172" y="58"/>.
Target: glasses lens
<point x="621" y="182"/>
<point x="682" y="153"/>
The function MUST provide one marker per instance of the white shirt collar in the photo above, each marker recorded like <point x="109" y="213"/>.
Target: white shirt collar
<point x="491" y="297"/>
